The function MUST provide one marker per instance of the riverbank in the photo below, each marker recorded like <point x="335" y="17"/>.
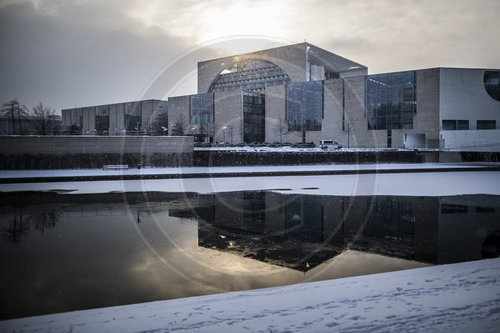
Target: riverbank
<point x="461" y="297"/>
<point x="75" y="175"/>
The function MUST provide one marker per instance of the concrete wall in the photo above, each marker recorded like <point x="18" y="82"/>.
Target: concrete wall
<point x="355" y="116"/>
<point x="276" y="123"/>
<point x="228" y="116"/>
<point x="60" y="152"/>
<point x="332" y="121"/>
<point x="147" y="112"/>
<point x="60" y="145"/>
<point x="426" y="119"/>
<point x="464" y="97"/>
<point x="472" y="140"/>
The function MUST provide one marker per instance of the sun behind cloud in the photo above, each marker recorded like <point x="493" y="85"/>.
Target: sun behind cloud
<point x="204" y="21"/>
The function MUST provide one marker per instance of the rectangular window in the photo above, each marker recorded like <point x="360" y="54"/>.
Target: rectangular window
<point x="253" y="117"/>
<point x="453" y="209"/>
<point x="485" y="210"/>
<point x="453" y="125"/>
<point x="133" y="118"/>
<point x="201" y="109"/>
<point x="462" y="124"/>
<point x="449" y="125"/>
<point x="102" y="119"/>
<point x="76" y="121"/>
<point x="304" y="106"/>
<point x="486" y="124"/>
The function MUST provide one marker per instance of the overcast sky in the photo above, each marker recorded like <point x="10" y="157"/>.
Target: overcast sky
<point x="68" y="53"/>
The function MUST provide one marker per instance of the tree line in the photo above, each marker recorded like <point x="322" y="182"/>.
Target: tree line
<point x="40" y="120"/>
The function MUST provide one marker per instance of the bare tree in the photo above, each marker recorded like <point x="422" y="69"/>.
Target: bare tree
<point x="45" y="220"/>
<point x="44" y="121"/>
<point x="281" y="127"/>
<point x="208" y="129"/>
<point x="147" y="126"/>
<point x="179" y="126"/>
<point x="17" y="229"/>
<point x="349" y="129"/>
<point x="16" y="111"/>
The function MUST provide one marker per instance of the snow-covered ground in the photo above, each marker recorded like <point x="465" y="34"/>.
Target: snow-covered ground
<point x="239" y="169"/>
<point x="450" y="298"/>
<point x="409" y="184"/>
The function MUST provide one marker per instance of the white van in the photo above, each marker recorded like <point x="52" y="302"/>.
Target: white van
<point x="328" y="144"/>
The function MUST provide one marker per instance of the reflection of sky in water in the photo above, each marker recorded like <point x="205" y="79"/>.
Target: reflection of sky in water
<point x="99" y="255"/>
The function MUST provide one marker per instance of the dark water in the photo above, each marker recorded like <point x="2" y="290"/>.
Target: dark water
<point x="64" y="252"/>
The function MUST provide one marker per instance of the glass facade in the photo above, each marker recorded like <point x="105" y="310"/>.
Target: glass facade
<point x="492" y="84"/>
<point x="133" y="118"/>
<point x="102" y="119"/>
<point x="253" y="117"/>
<point x="304" y="106"/>
<point x="76" y="121"/>
<point x="254" y="76"/>
<point x="159" y="107"/>
<point x="201" y="109"/>
<point x="391" y="100"/>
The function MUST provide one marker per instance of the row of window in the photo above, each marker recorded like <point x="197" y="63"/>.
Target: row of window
<point x="132" y="117"/>
<point x="463" y="209"/>
<point x="253" y="117"/>
<point x="455" y="125"/>
<point x="201" y="109"/>
<point x="255" y="76"/>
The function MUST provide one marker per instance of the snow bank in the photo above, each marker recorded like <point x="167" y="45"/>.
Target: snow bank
<point x="407" y="184"/>
<point x="456" y="298"/>
<point x="229" y="169"/>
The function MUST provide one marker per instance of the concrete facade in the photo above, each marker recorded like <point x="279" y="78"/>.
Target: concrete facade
<point x="228" y="116"/>
<point x="398" y="110"/>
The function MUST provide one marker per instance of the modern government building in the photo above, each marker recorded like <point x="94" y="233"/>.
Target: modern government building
<point x="302" y="93"/>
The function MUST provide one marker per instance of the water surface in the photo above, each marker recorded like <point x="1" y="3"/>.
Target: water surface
<point x="64" y="252"/>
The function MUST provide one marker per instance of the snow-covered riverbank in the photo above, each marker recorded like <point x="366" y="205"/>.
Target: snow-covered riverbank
<point x="405" y="184"/>
<point x="450" y="298"/>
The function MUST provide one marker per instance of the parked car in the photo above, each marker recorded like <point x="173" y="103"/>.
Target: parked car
<point x="329" y="144"/>
<point x="223" y="144"/>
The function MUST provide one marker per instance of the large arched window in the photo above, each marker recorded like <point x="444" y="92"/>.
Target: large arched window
<point x="253" y="75"/>
<point x="492" y="84"/>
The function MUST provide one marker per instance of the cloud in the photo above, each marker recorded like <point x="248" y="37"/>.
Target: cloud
<point x="67" y="53"/>
<point x="69" y="56"/>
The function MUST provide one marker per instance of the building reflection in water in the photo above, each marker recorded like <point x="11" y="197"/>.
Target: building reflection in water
<point x="303" y="231"/>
